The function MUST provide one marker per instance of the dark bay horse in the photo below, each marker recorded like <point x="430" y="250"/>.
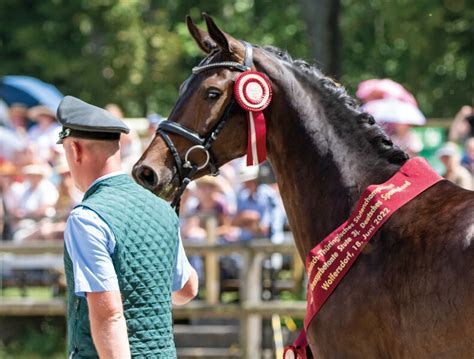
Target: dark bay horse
<point x="411" y="292"/>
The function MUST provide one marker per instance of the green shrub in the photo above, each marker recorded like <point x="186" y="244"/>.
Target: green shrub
<point x="47" y="341"/>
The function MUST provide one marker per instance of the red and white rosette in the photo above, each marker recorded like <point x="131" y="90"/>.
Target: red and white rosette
<point x="253" y="93"/>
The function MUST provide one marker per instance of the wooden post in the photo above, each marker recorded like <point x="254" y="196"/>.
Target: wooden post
<point x="251" y="293"/>
<point x="298" y="273"/>
<point x="212" y="264"/>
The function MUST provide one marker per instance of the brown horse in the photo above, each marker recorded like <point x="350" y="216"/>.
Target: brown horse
<point x="411" y="292"/>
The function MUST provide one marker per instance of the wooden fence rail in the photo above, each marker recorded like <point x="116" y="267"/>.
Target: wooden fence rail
<point x="249" y="311"/>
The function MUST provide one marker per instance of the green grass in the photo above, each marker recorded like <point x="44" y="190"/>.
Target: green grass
<point x="31" y="292"/>
<point x="44" y="341"/>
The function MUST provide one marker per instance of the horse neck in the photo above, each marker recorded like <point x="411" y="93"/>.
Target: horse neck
<point x="322" y="164"/>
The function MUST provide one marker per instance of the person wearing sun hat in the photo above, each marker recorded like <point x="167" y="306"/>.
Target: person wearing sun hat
<point x="69" y="195"/>
<point x="13" y="122"/>
<point x="44" y="132"/>
<point x="8" y="194"/>
<point x="260" y="212"/>
<point x="449" y="155"/>
<point x="18" y="115"/>
<point x="123" y="255"/>
<point x="35" y="201"/>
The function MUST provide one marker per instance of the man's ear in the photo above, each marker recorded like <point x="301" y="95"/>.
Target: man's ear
<point x="77" y="151"/>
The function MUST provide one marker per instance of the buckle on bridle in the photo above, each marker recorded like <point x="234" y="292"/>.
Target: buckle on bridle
<point x="188" y="164"/>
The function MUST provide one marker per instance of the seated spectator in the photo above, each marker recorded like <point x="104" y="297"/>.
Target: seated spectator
<point x="11" y="187"/>
<point x="44" y="133"/>
<point x="462" y="127"/>
<point x="404" y="137"/>
<point x="18" y="114"/>
<point x="11" y="145"/>
<point x="68" y="194"/>
<point x="12" y="141"/>
<point x="230" y="184"/>
<point x="190" y="227"/>
<point x="260" y="212"/>
<point x="449" y="156"/>
<point x="9" y="193"/>
<point x="130" y="143"/>
<point x="37" y="200"/>
<point x="468" y="158"/>
<point x="212" y="202"/>
<point x="52" y="228"/>
<point x="4" y="119"/>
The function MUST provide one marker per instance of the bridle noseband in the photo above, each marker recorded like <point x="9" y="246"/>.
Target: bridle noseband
<point x="186" y="169"/>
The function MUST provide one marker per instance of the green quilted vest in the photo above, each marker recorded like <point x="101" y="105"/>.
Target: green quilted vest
<point x="145" y="229"/>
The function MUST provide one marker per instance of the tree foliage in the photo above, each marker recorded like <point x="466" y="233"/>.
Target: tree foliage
<point x="425" y="45"/>
<point x="137" y="52"/>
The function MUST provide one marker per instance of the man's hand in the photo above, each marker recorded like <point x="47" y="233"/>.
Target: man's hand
<point x="188" y="292"/>
<point x="108" y="327"/>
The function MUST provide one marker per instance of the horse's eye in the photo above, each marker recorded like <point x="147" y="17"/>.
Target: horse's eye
<point x="213" y="94"/>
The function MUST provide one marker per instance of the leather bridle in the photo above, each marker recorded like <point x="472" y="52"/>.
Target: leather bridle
<point x="185" y="168"/>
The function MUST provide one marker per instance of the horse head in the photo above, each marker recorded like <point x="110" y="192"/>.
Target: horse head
<point x="205" y="128"/>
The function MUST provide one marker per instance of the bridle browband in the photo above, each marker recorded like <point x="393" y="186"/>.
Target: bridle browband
<point x="186" y="169"/>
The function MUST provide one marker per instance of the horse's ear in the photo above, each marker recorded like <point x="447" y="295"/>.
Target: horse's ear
<point x="223" y="40"/>
<point x="202" y="38"/>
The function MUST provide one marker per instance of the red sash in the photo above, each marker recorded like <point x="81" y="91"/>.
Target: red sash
<point x="329" y="261"/>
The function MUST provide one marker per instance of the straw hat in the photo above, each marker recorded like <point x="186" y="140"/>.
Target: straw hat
<point x="36" y="169"/>
<point x="207" y="180"/>
<point x="37" y="111"/>
<point x="62" y="166"/>
<point x="248" y="173"/>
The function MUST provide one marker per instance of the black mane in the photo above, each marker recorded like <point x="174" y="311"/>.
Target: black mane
<point x="339" y="104"/>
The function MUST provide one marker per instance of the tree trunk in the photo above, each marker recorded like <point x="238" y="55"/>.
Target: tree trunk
<point x="322" y="21"/>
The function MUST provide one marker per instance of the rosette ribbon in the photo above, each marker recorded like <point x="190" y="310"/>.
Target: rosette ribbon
<point x="253" y="93"/>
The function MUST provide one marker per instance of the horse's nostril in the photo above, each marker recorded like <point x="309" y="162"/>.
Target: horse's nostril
<point x="146" y="176"/>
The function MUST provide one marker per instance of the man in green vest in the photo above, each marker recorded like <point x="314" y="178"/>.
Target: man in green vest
<point x="124" y="261"/>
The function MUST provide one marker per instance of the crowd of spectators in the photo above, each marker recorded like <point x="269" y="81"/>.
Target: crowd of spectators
<point x="245" y="203"/>
<point x="457" y="154"/>
<point x="402" y="116"/>
<point x="36" y="188"/>
<point x="242" y="204"/>
<point x="459" y="162"/>
<point x="37" y="192"/>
